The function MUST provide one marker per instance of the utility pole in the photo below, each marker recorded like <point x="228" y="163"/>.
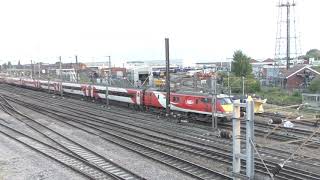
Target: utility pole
<point x="60" y="77"/>
<point x="243" y="86"/>
<point x="167" y="76"/>
<point x="31" y="70"/>
<point x="230" y="66"/>
<point x="229" y="90"/>
<point x="214" y="102"/>
<point x="48" y="76"/>
<point x="60" y="71"/>
<point x="195" y="81"/>
<point x="39" y="69"/>
<point x="76" y="69"/>
<point x="110" y="71"/>
<point x="107" y="84"/>
<point x="288" y="6"/>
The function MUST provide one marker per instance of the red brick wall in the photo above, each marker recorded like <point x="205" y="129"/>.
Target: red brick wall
<point x="294" y="81"/>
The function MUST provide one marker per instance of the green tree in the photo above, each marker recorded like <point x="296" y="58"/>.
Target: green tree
<point x="252" y="85"/>
<point x="313" y="53"/>
<point x="315" y="85"/>
<point x="317" y="68"/>
<point x="241" y="64"/>
<point x="236" y="84"/>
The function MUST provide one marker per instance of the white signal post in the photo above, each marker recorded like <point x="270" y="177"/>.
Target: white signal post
<point x="236" y="128"/>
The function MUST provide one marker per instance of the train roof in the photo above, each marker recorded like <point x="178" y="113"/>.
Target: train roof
<point x="201" y="94"/>
<point x="148" y="89"/>
<point x="194" y="93"/>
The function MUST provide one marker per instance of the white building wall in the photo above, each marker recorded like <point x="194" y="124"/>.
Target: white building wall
<point x="136" y="70"/>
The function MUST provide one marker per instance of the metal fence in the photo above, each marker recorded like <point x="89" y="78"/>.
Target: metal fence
<point x="313" y="100"/>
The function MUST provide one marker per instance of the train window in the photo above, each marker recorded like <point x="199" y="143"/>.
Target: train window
<point x="197" y="101"/>
<point x="158" y="96"/>
<point x="150" y="94"/>
<point x="175" y="99"/>
<point x="71" y="87"/>
<point x="205" y="100"/>
<point x="44" y="84"/>
<point x="102" y="91"/>
<point x="228" y="100"/>
<point x="224" y="101"/>
<point x="123" y="94"/>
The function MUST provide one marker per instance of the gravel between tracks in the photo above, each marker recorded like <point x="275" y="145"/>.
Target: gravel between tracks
<point x="18" y="162"/>
<point x="25" y="166"/>
<point x="131" y="161"/>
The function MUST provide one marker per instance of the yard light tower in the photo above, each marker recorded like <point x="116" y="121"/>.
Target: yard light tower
<point x="287" y="45"/>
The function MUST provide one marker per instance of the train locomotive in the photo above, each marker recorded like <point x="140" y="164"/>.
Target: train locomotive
<point x="188" y="104"/>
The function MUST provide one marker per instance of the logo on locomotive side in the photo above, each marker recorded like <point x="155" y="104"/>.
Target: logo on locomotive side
<point x="190" y="101"/>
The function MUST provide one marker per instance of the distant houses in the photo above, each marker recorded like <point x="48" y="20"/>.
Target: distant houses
<point x="298" y="76"/>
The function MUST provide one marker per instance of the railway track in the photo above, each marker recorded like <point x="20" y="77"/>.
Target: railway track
<point x="101" y="167"/>
<point x="58" y="102"/>
<point x="229" y="156"/>
<point x="87" y="106"/>
<point x="82" y="167"/>
<point x="135" y="145"/>
<point x="282" y="135"/>
<point x="282" y="116"/>
<point x="201" y="151"/>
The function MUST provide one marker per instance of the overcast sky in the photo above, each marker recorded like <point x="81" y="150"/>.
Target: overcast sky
<point x="135" y="29"/>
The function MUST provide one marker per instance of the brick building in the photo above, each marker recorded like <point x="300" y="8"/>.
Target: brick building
<point x="298" y="77"/>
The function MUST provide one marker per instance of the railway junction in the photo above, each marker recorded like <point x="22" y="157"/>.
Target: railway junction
<point x="56" y="137"/>
<point x="199" y="114"/>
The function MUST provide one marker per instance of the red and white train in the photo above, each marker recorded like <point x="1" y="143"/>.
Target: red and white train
<point x="187" y="104"/>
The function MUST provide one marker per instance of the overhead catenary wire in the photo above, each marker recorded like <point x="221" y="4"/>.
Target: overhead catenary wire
<point x="262" y="161"/>
<point x="278" y="168"/>
<point x="291" y="106"/>
<point x="308" y="139"/>
<point x="278" y="125"/>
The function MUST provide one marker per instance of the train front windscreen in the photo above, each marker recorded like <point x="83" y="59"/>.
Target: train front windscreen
<point x="226" y="104"/>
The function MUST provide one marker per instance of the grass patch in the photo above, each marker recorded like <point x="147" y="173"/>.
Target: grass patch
<point x="280" y="97"/>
